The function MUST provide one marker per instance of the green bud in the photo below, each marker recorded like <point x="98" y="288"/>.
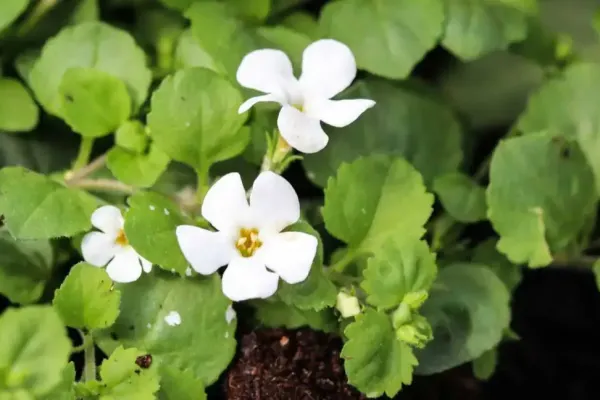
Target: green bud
<point x="347" y="305"/>
<point x="401" y="316"/>
<point x="415" y="299"/>
<point x="418" y="333"/>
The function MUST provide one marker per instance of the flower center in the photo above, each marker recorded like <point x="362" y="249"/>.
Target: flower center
<point x="299" y="107"/>
<point x="248" y="242"/>
<point x="121" y="239"/>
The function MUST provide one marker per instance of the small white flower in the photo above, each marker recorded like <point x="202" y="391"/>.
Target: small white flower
<point x="110" y="246"/>
<point x="249" y="238"/>
<point x="328" y="67"/>
<point x="173" y="318"/>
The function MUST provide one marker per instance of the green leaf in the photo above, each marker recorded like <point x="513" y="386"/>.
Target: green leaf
<point x="93" y="103"/>
<point x="461" y="197"/>
<point x="468" y="309"/>
<point x="403" y="123"/>
<point x="122" y="378"/>
<point x="486" y="253"/>
<point x="150" y="228"/>
<point x="194" y="118"/>
<point x="397" y="269"/>
<point x="10" y="10"/>
<point x="375" y="198"/>
<point x="131" y="136"/>
<point x="86" y="10"/>
<point x="24" y="268"/>
<point x="303" y="22"/>
<point x="141" y="170"/>
<point x="536" y="181"/>
<point x="18" y="111"/>
<point x="188" y="53"/>
<point x="388" y="37"/>
<point x="94" y="45"/>
<point x="180" y="5"/>
<point x="278" y="314"/>
<point x="256" y="10"/>
<point x="565" y="106"/>
<point x="176" y="384"/>
<point x="36" y="207"/>
<point x="317" y="291"/>
<point x="285" y="39"/>
<point x="485" y="365"/>
<point x="477" y="27"/>
<point x="87" y="298"/>
<point x="204" y="341"/>
<point x="375" y="361"/>
<point x="34" y="350"/>
<point x="64" y="390"/>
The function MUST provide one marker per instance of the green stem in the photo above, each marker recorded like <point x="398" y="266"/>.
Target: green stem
<point x="202" y="184"/>
<point x="346" y="260"/>
<point x="102" y="185"/>
<point x="85" y="151"/>
<point x="40" y="9"/>
<point x="89" y="355"/>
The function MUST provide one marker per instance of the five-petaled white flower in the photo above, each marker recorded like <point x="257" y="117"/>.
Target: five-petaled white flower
<point x="249" y="239"/>
<point x="110" y="246"/>
<point x="328" y="67"/>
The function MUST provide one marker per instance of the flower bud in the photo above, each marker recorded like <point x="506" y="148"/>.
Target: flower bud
<point x="347" y="305"/>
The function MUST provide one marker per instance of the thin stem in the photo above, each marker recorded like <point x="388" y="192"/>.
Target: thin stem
<point x="86" y="341"/>
<point x="89" y="367"/>
<point x="85" y="150"/>
<point x="41" y="9"/>
<point x="201" y="184"/>
<point x="273" y="161"/>
<point x="73" y="176"/>
<point x="103" y="185"/>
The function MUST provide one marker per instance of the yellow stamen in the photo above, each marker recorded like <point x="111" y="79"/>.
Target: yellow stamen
<point x="248" y="242"/>
<point x="121" y="239"/>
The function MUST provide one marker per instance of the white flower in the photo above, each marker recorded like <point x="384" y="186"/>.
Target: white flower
<point x="249" y="238"/>
<point x="328" y="67"/>
<point x="110" y="246"/>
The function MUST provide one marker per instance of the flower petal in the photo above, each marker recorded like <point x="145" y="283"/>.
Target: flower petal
<point x="225" y="204"/>
<point x="290" y="255"/>
<point x="206" y="251"/>
<point x="146" y="265"/>
<point x="247" y="278"/>
<point x="258" y="99"/>
<point x="328" y="67"/>
<point x="274" y="202"/>
<point x="98" y="248"/>
<point x="301" y="131"/>
<point x="266" y="70"/>
<point x="125" y="267"/>
<point x="338" y="113"/>
<point x="108" y="219"/>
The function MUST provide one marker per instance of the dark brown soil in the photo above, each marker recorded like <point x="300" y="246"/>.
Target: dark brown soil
<point x="278" y="364"/>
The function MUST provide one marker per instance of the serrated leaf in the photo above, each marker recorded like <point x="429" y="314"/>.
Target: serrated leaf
<point x="150" y="228"/>
<point x="18" y="111"/>
<point x="10" y="10"/>
<point x="192" y="344"/>
<point x="375" y="198"/>
<point x="404" y="123"/>
<point x="94" y="45"/>
<point x="194" y="118"/>
<point x="131" y="135"/>
<point x="24" y="268"/>
<point x="387" y="37"/>
<point x="487" y="254"/>
<point x="461" y="197"/>
<point x="468" y="309"/>
<point x="477" y="27"/>
<point x="64" y="390"/>
<point x="141" y="170"/>
<point x="375" y="361"/>
<point x="87" y="298"/>
<point x="397" y="269"/>
<point x="565" y="106"/>
<point x="93" y="103"/>
<point x="536" y="181"/>
<point x="275" y="314"/>
<point x="317" y="291"/>
<point x="176" y="384"/>
<point x="34" y="350"/>
<point x="36" y="207"/>
<point x="122" y="378"/>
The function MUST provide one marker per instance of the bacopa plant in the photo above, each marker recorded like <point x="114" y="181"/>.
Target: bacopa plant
<point x="379" y="169"/>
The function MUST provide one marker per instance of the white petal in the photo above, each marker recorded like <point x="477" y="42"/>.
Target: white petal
<point x="301" y="131"/>
<point x="206" y="251"/>
<point x="108" y="219"/>
<point x="247" y="278"/>
<point x="290" y="255"/>
<point x="266" y="70"/>
<point x="125" y="267"/>
<point x="328" y="67"/>
<point x="225" y="204"/>
<point x="338" y="113"/>
<point x="274" y="202"/>
<point x="253" y="100"/>
<point x="98" y="248"/>
<point x="146" y="265"/>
